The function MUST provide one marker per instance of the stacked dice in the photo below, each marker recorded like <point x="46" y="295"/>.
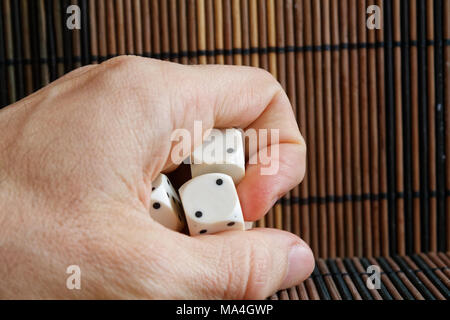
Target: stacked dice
<point x="209" y="199"/>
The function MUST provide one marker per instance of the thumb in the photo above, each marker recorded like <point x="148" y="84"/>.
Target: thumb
<point x="250" y="265"/>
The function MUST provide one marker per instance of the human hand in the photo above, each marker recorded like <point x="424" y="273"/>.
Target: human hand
<point x="76" y="163"/>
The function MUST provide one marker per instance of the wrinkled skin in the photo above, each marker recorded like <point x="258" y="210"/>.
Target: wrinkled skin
<point x="76" y="163"/>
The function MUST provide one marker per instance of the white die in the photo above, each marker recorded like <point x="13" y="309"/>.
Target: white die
<point x="165" y="206"/>
<point x="211" y="204"/>
<point x="248" y="225"/>
<point x="222" y="152"/>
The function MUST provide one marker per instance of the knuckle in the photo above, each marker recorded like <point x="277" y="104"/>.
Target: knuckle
<point x="122" y="63"/>
<point x="268" y="78"/>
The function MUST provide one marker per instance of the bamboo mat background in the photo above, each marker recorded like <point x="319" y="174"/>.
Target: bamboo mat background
<point x="373" y="106"/>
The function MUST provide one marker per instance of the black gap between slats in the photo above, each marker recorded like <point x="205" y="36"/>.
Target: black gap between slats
<point x="390" y="126"/>
<point x="407" y="150"/>
<point x="84" y="33"/>
<point x="67" y="38"/>
<point x="423" y="124"/>
<point x="440" y="123"/>
<point x="51" y="47"/>
<point x="3" y="86"/>
<point x="18" y="54"/>
<point x="34" y="41"/>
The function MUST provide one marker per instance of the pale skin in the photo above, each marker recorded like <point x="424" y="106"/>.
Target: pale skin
<point x="76" y="163"/>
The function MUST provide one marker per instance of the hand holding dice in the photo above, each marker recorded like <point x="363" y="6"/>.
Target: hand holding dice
<point x="210" y="201"/>
<point x="80" y="191"/>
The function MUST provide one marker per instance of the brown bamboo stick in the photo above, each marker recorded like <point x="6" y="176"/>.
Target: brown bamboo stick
<point x="355" y="125"/>
<point x="45" y="77"/>
<point x="364" y="129"/>
<point x="59" y="37"/>
<point x="146" y="27"/>
<point x="120" y="27"/>
<point x="320" y="136"/>
<point x="337" y="130"/>
<point x="11" y="78"/>
<point x="28" y="71"/>
<point x="302" y="293"/>
<point x="254" y="32"/>
<point x="227" y="31"/>
<point x="92" y="29"/>
<point x="128" y="13"/>
<point x="311" y="289"/>
<point x="192" y="31"/>
<point x="218" y="28"/>
<point x="165" y="29"/>
<point x="293" y="294"/>
<point x="384" y="230"/>
<point x="182" y="22"/>
<point x="201" y="31"/>
<point x="237" y="31"/>
<point x="209" y="9"/>
<point x="415" y="128"/>
<point x="431" y="127"/>
<point x="156" y="32"/>
<point x="283" y="295"/>
<point x="173" y="27"/>
<point x="301" y="118"/>
<point x="262" y="21"/>
<point x="374" y="149"/>
<point x="400" y="206"/>
<point x="76" y="44"/>
<point x="346" y="125"/>
<point x="245" y="32"/>
<point x="328" y="127"/>
<point x="271" y="36"/>
<point x="137" y="26"/>
<point x="111" y="28"/>
<point x="101" y="28"/>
